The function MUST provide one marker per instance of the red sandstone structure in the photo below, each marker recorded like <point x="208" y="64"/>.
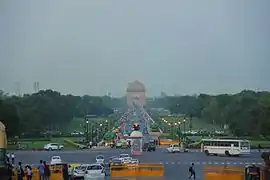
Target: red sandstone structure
<point x="136" y="94"/>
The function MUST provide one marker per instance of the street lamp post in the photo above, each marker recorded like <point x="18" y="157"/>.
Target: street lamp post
<point x="99" y="132"/>
<point x="171" y="132"/>
<point x="107" y="125"/>
<point x="87" y="131"/>
<point x="184" y="121"/>
<point x="92" y="133"/>
<point x="179" y="129"/>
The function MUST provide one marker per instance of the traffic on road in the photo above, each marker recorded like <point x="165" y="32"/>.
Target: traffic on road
<point x="176" y="160"/>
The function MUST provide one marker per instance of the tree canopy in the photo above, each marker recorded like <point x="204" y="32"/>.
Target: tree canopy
<point x="48" y="110"/>
<point x="246" y="113"/>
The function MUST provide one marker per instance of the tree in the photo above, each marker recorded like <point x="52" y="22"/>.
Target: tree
<point x="47" y="110"/>
<point x="238" y="111"/>
<point x="9" y="116"/>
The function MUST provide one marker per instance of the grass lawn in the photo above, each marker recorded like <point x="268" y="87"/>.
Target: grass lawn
<point x="78" y="124"/>
<point x="264" y="144"/>
<point x="196" y="123"/>
<point x="35" y="144"/>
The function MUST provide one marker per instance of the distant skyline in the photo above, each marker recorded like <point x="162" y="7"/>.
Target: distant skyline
<point x="95" y="47"/>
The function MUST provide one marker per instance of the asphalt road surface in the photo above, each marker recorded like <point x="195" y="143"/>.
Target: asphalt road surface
<point x="176" y="165"/>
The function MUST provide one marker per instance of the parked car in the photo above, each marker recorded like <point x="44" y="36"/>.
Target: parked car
<point x="77" y="133"/>
<point x="53" y="146"/>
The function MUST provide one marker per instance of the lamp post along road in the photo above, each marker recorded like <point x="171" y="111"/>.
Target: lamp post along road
<point x="184" y="121"/>
<point x="87" y="131"/>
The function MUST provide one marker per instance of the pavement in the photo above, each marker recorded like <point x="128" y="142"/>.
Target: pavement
<point x="176" y="164"/>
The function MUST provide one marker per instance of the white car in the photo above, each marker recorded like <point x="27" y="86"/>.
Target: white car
<point x="94" y="171"/>
<point x="173" y="148"/>
<point x="100" y="159"/>
<point x="53" y="146"/>
<point x="76" y="133"/>
<point x="122" y="156"/>
<point x="134" y="161"/>
<point x="126" y="160"/>
<point x="56" y="160"/>
<point x="79" y="171"/>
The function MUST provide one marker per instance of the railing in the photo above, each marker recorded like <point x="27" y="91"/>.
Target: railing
<point x="227" y="173"/>
<point x="223" y="173"/>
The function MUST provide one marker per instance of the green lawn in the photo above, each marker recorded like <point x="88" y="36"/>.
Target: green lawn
<point x="78" y="124"/>
<point x="265" y="144"/>
<point x="35" y="144"/>
<point x="196" y="123"/>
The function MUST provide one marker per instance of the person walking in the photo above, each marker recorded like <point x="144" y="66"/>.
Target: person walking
<point x="47" y="172"/>
<point x="8" y="157"/>
<point x="259" y="147"/>
<point x="20" y="172"/>
<point x="12" y="158"/>
<point x="29" y="172"/>
<point x="41" y="169"/>
<point x="192" y="173"/>
<point x="10" y="171"/>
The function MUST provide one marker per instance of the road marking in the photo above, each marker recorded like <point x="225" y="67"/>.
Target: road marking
<point x="195" y="162"/>
<point x="210" y="163"/>
<point x="199" y="151"/>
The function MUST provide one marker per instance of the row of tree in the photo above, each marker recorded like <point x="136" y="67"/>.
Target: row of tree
<point x="48" y="110"/>
<point x="245" y="113"/>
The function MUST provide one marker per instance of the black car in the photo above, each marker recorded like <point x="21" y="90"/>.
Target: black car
<point x="152" y="145"/>
<point x="149" y="146"/>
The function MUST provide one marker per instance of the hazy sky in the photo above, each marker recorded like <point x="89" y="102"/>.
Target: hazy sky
<point x="98" y="46"/>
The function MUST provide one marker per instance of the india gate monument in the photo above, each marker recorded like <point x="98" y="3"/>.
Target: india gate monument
<point x="136" y="94"/>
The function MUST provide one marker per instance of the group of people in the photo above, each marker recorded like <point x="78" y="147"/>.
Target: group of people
<point x="43" y="169"/>
<point x="22" y="172"/>
<point x="11" y="157"/>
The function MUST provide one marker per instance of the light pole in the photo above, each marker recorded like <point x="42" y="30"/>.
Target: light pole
<point x="171" y="132"/>
<point x="176" y="125"/>
<point x="179" y="129"/>
<point x="99" y="131"/>
<point x="184" y="121"/>
<point x="107" y="125"/>
<point x="87" y="131"/>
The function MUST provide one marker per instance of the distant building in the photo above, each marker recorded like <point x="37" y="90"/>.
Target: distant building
<point x="136" y="94"/>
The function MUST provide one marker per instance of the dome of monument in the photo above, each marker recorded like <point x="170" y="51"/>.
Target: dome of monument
<point x="136" y="86"/>
<point x="136" y="134"/>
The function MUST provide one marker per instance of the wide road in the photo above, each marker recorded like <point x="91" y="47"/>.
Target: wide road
<point x="176" y="165"/>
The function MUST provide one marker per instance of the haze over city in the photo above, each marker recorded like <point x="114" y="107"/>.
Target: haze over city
<point x="95" y="47"/>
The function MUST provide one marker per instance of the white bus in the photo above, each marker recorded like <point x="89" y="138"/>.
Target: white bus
<point x="228" y="147"/>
